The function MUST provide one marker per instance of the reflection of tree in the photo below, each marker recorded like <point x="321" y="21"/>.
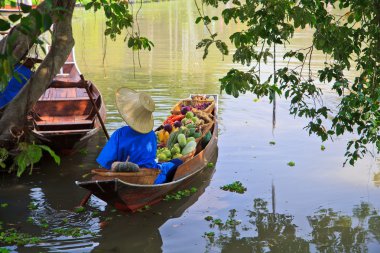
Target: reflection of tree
<point x="274" y="232"/>
<point x="333" y="232"/>
<point x="374" y="227"/>
<point x="376" y="179"/>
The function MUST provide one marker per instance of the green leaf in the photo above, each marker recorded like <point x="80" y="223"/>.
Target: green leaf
<point x="14" y="17"/>
<point x="198" y="20"/>
<point x="88" y="5"/>
<point x="25" y="8"/>
<point x="4" y="25"/>
<point x="56" y="158"/>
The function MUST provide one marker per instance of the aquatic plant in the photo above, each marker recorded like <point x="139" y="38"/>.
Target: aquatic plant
<point x="13" y="237"/>
<point x="236" y="186"/>
<point x="180" y="194"/>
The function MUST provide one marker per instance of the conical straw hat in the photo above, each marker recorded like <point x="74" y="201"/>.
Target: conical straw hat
<point x="136" y="108"/>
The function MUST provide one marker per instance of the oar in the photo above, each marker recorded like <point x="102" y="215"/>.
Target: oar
<point x="87" y="87"/>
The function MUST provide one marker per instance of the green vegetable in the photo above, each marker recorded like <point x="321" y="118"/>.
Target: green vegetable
<point x="184" y="130"/>
<point x="191" y="132"/>
<point x="175" y="150"/>
<point x="191" y="126"/>
<point x="177" y="156"/>
<point x="190" y="139"/>
<point x="206" y="139"/>
<point x="197" y="135"/>
<point x="189" y="115"/>
<point x="182" y="140"/>
<point x="167" y="153"/>
<point x="162" y="157"/>
<point x="190" y="147"/>
<point x="172" y="139"/>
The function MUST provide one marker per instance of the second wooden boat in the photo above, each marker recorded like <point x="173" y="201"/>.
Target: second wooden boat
<point x="131" y="191"/>
<point x="65" y="118"/>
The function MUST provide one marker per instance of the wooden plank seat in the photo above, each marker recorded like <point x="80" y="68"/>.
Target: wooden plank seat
<point x="57" y="123"/>
<point x="66" y="132"/>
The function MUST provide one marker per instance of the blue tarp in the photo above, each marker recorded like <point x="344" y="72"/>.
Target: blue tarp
<point x="23" y="74"/>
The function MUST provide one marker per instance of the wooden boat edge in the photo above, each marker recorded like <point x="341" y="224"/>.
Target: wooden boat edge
<point x="174" y="182"/>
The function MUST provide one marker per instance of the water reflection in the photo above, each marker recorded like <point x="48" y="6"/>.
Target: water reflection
<point x="100" y="228"/>
<point x="331" y="231"/>
<point x="139" y="232"/>
<point x="376" y="179"/>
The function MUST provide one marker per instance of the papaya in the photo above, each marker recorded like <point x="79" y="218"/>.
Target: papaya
<point x="190" y="139"/>
<point x="181" y="140"/>
<point x="190" y="147"/>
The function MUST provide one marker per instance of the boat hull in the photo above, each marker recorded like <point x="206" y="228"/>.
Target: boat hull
<point x="64" y="117"/>
<point x="127" y="196"/>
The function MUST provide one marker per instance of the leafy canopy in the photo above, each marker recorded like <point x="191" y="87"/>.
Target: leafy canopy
<point x="346" y="31"/>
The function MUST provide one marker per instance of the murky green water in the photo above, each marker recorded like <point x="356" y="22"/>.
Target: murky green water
<point x="315" y="206"/>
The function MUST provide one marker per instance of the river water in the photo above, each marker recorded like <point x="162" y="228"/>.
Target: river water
<point x="315" y="206"/>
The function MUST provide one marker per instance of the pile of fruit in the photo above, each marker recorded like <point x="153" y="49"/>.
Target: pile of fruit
<point x="178" y="136"/>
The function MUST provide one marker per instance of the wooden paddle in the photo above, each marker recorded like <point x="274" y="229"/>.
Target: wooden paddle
<point x="87" y="87"/>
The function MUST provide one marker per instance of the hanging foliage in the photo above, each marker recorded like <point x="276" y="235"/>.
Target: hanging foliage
<point x="346" y="31"/>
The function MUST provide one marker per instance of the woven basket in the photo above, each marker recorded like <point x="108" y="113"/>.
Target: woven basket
<point x="144" y="176"/>
<point x="192" y="102"/>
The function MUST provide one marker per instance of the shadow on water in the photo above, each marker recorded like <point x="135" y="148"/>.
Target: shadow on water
<point x="51" y="214"/>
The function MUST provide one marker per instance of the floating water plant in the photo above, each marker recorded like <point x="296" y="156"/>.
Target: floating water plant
<point x="12" y="237"/>
<point x="180" y="194"/>
<point x="236" y="186"/>
<point x="73" y="232"/>
<point x="291" y="163"/>
<point x="79" y="209"/>
<point x="32" y="206"/>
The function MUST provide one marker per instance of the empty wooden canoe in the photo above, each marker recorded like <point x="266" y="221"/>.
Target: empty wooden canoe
<point x="64" y="117"/>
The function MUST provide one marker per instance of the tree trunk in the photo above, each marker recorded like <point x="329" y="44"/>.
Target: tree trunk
<point x="14" y="115"/>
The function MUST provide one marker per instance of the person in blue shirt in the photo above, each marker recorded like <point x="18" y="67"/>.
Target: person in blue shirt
<point x="137" y="142"/>
<point x="22" y="73"/>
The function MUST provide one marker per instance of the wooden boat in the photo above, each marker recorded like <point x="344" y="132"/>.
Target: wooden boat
<point x="130" y="193"/>
<point x="64" y="117"/>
